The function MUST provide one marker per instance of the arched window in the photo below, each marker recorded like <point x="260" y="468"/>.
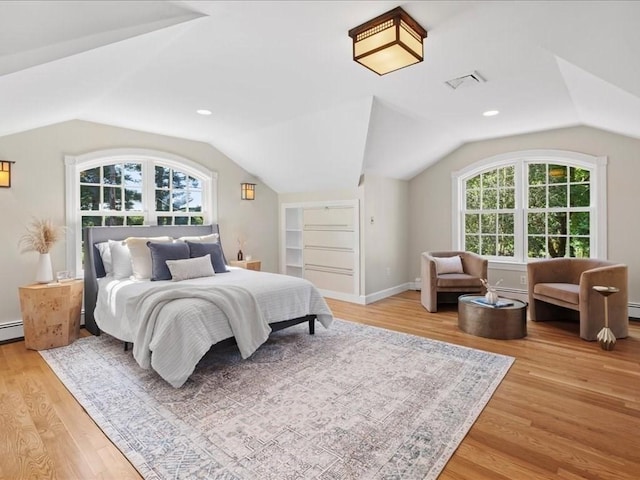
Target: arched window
<point x="533" y="204"/>
<point x="134" y="187"/>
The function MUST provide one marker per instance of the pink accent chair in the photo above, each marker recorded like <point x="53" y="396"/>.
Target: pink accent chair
<point x="561" y="289"/>
<point x="451" y="285"/>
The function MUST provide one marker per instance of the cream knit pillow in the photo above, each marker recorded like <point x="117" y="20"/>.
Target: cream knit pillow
<point x="191" y="268"/>
<point x="449" y="264"/>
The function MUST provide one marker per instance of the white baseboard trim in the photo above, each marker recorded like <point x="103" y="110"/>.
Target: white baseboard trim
<point x="366" y="299"/>
<point x="345" y="297"/>
<point x="514" y="293"/>
<point x="389" y="292"/>
<point x="11" y="330"/>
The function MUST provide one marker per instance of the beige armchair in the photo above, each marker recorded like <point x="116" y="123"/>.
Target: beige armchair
<point x="450" y="285"/>
<point x="561" y="289"/>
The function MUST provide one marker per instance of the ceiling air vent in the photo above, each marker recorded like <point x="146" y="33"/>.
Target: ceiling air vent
<point x="471" y="79"/>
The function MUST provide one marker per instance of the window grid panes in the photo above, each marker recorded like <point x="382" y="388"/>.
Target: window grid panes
<point x="555" y="220"/>
<point x="178" y="197"/>
<point x="558" y="211"/>
<point x="489" y="213"/>
<point x="113" y="194"/>
<point x="118" y="187"/>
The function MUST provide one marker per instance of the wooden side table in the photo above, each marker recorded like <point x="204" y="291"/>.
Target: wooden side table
<point x="246" y="264"/>
<point x="51" y="314"/>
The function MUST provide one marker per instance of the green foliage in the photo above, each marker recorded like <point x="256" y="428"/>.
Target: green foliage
<point x="557" y="197"/>
<point x="472" y="223"/>
<point x="488" y="245"/>
<point x="118" y="187"/>
<point x="506" y="245"/>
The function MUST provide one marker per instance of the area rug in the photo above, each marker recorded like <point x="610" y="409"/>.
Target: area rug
<point x="350" y="402"/>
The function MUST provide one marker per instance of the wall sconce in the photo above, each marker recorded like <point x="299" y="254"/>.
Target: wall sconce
<point x="248" y="191"/>
<point x="5" y="173"/>
<point x="389" y="42"/>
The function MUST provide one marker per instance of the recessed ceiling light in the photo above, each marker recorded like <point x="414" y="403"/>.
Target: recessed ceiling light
<point x="490" y="113"/>
<point x="203" y="111"/>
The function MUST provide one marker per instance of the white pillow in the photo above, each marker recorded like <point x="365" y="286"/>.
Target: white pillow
<point x="448" y="264"/>
<point x="190" y="268"/>
<point x="105" y="254"/>
<point x="120" y="259"/>
<point x="212" y="238"/>
<point x="141" y="255"/>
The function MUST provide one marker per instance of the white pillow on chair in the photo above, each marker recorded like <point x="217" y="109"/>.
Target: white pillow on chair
<point x="448" y="264"/>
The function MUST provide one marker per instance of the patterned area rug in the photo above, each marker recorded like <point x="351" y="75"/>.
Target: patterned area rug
<point x="351" y="402"/>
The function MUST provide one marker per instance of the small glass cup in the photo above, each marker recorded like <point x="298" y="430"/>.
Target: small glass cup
<point x="62" y="276"/>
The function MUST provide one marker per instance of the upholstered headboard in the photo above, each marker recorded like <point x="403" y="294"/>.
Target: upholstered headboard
<point x="94" y="269"/>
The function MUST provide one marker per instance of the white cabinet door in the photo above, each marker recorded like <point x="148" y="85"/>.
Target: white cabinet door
<point x="332" y="239"/>
<point x="320" y="242"/>
<point x="329" y="218"/>
<point x="327" y="279"/>
<point x="323" y="257"/>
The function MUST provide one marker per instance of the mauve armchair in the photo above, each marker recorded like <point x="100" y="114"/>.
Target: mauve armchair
<point x="451" y="285"/>
<point x="562" y="288"/>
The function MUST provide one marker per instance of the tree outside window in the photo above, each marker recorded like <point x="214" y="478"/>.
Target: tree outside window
<point x="489" y="213"/>
<point x="558" y="216"/>
<point x="533" y="204"/>
<point x="134" y="187"/>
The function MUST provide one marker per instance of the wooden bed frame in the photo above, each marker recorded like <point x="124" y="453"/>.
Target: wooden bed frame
<point x="94" y="268"/>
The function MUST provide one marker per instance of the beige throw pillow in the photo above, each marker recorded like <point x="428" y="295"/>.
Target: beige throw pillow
<point x="212" y="238"/>
<point x="190" y="268"/>
<point x="141" y="255"/>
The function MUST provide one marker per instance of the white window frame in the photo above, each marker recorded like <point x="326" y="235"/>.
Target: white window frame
<point x="74" y="164"/>
<point x="597" y="209"/>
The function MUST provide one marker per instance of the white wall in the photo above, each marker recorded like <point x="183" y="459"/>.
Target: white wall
<point x="430" y="194"/>
<point x="386" y="239"/>
<point x="383" y="244"/>
<point x="38" y="191"/>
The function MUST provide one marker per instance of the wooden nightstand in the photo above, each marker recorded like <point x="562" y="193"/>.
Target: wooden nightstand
<point x="51" y="314"/>
<point x="246" y="264"/>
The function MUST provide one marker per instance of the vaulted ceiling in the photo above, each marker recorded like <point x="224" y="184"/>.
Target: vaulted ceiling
<point x="289" y="104"/>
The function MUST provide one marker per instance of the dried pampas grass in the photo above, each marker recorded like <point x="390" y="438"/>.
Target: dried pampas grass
<point x="40" y="237"/>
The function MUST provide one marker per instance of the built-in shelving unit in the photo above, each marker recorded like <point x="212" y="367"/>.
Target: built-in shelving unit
<point x="321" y="244"/>
<point x="293" y="264"/>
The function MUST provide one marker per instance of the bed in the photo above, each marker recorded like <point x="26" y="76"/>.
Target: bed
<point x="172" y="324"/>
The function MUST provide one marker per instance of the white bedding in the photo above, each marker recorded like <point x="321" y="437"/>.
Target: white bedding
<point x="184" y="329"/>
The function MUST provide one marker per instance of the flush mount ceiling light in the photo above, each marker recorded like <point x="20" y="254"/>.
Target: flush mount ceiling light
<point x="490" y="113"/>
<point x="389" y="42"/>
<point x="203" y="111"/>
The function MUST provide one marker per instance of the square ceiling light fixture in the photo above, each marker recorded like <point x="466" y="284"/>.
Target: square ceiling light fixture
<point x="389" y="42"/>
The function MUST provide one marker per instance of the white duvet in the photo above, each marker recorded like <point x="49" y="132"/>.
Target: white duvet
<point x="173" y="324"/>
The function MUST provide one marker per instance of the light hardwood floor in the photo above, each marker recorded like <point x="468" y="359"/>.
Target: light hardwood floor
<point x="565" y="410"/>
